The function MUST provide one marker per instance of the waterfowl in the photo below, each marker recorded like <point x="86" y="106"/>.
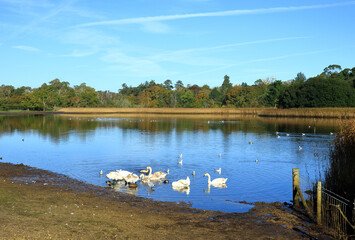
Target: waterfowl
<point x="131" y="178"/>
<point x="132" y="185"/>
<point x="278" y="136"/>
<point x="118" y="175"/>
<point x="256" y="160"/>
<point x="250" y="142"/>
<point x="220" y="155"/>
<point x="166" y="181"/>
<point x="331" y="133"/>
<point x="182" y="183"/>
<point x="144" y="178"/>
<point x="303" y="134"/>
<point x="113" y="176"/>
<point x="299" y="148"/>
<point x="287" y="134"/>
<point x="157" y="175"/>
<point x="219" y="170"/>
<point x="180" y="156"/>
<point x="101" y="172"/>
<point x="193" y="173"/>
<point x="144" y="171"/>
<point x="123" y="172"/>
<point x="168" y="171"/>
<point x="217" y="181"/>
<point x="180" y="162"/>
<point x="109" y="183"/>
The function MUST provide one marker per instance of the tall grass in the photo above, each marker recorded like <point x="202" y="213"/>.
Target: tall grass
<point x="340" y="176"/>
<point x="262" y="112"/>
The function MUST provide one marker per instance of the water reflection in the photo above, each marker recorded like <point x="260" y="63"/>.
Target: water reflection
<point x="208" y="190"/>
<point x="182" y="190"/>
<point x="58" y="127"/>
<point x="121" y="186"/>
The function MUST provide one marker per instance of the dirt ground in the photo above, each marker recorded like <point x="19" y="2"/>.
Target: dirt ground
<point x="37" y="204"/>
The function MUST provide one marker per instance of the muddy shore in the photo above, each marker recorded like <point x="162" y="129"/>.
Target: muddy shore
<point x="38" y="204"/>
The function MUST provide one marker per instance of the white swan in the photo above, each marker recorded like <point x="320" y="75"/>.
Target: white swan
<point x="118" y="175"/>
<point x="101" y="172"/>
<point x="157" y="175"/>
<point x="219" y="171"/>
<point x="131" y="178"/>
<point x="180" y="156"/>
<point x="180" y="162"/>
<point x="144" y="170"/>
<point x="182" y="183"/>
<point x="217" y="181"/>
<point x="144" y="178"/>
<point x="113" y="176"/>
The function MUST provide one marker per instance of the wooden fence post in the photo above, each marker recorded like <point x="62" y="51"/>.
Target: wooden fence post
<point x="319" y="203"/>
<point x="296" y="184"/>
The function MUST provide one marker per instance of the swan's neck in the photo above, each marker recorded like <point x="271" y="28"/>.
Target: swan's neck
<point x="209" y="178"/>
<point x="150" y="171"/>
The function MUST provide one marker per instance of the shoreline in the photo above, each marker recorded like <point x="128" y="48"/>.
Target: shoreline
<point x="35" y="203"/>
<point x="339" y="113"/>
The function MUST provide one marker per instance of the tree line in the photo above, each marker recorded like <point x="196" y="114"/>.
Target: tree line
<point x="334" y="87"/>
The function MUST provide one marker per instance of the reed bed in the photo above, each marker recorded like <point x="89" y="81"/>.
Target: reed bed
<point x="340" y="178"/>
<point x="342" y="113"/>
<point x="241" y="111"/>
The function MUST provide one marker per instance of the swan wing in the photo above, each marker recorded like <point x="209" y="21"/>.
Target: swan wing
<point x="131" y="178"/>
<point x="219" y="181"/>
<point x="159" y="174"/>
<point x="184" y="182"/>
<point x="113" y="176"/>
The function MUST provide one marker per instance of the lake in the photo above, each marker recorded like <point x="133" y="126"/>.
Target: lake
<point x="79" y="146"/>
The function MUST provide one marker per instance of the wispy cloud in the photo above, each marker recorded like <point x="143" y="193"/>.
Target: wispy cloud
<point x="263" y="60"/>
<point x="27" y="48"/>
<point x="30" y="26"/>
<point x="154" y="65"/>
<point x="141" y="20"/>
<point x="132" y="66"/>
<point x="86" y="42"/>
<point x="155" y="27"/>
<point x="168" y="55"/>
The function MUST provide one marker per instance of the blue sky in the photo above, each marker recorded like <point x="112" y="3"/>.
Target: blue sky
<point x="107" y="43"/>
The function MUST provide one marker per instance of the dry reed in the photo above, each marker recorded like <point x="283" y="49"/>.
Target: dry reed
<point x="342" y="113"/>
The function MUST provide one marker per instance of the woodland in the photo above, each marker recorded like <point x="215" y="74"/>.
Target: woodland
<point x="334" y="87"/>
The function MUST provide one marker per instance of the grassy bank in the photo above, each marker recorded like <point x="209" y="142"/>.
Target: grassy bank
<point x="262" y="112"/>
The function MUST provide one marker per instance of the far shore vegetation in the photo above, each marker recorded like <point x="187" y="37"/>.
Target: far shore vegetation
<point x="332" y="89"/>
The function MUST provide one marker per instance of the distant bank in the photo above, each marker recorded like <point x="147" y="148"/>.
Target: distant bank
<point x="261" y="112"/>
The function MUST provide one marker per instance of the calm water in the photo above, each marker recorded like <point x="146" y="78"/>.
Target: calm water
<point x="80" y="147"/>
